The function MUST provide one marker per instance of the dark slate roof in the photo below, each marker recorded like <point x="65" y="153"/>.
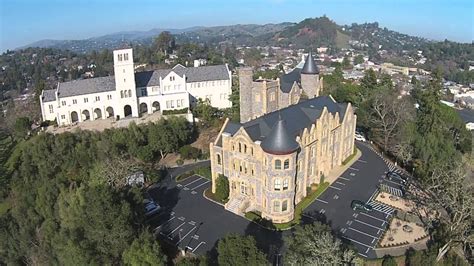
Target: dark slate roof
<point x="297" y="117"/>
<point x="279" y="141"/>
<point x="142" y="79"/>
<point x="81" y="87"/>
<point x="466" y="115"/>
<point x="287" y="80"/>
<point x="310" y="66"/>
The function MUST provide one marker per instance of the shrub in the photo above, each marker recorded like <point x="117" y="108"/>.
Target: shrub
<point x="222" y="188"/>
<point x="179" y="162"/>
<point x="389" y="261"/>
<point x="175" y="112"/>
<point x="190" y="152"/>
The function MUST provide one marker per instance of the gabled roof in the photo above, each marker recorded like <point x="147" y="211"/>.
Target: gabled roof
<point x="297" y="117"/>
<point x="142" y="79"/>
<point x="80" y="87"/>
<point x="287" y="80"/>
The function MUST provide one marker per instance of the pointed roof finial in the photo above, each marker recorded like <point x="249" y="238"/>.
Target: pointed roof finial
<point x="309" y="65"/>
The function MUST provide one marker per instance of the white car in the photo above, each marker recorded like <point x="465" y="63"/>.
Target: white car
<point x="359" y="137"/>
<point x="151" y="207"/>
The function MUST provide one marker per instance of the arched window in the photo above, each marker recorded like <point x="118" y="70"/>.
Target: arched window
<point x="251" y="150"/>
<point x="284" y="205"/>
<point x="245" y="148"/>
<point x="121" y="94"/>
<point x="129" y="93"/>
<point x="219" y="159"/>
<point x="277" y="184"/>
<point x="240" y="147"/>
<point x="276" y="206"/>
<point x="277" y="164"/>
<point x="286" y="164"/>
<point x="285" y="184"/>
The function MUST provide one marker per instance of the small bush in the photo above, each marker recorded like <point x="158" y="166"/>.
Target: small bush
<point x="190" y="152"/>
<point x="175" y="112"/>
<point x="179" y="162"/>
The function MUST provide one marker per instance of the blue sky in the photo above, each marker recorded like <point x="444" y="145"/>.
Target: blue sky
<point x="26" y="21"/>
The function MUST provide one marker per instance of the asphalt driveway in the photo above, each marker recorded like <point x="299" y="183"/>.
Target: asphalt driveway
<point x="195" y="224"/>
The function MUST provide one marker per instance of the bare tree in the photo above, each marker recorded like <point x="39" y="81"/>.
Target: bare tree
<point x="114" y="172"/>
<point x="387" y="115"/>
<point x="450" y="200"/>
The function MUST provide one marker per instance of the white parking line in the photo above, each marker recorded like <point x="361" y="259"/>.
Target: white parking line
<point x="367" y="250"/>
<point x="169" y="220"/>
<point x="383" y="221"/>
<point x="352" y="168"/>
<point x="350" y="228"/>
<point x="175" y="229"/>
<point x="362" y="161"/>
<point x="200" y="185"/>
<point x="193" y="182"/>
<point x="335" y="187"/>
<point x="323" y="201"/>
<point x="363" y="255"/>
<point x="202" y="242"/>
<point x="340" y="183"/>
<point x="343" y="178"/>
<point x="186" y="235"/>
<point x="392" y="182"/>
<point x="368" y="224"/>
<point x="355" y="241"/>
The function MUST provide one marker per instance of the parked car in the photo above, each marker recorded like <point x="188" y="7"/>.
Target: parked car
<point x="394" y="175"/>
<point x="360" y="205"/>
<point x="151" y="207"/>
<point x="359" y="137"/>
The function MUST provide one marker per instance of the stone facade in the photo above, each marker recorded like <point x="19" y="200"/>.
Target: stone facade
<point x="273" y="181"/>
<point x="263" y="96"/>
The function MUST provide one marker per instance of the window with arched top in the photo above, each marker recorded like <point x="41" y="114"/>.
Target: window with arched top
<point x="284" y="205"/>
<point x="121" y="94"/>
<point x="286" y="164"/>
<point x="219" y="162"/>
<point x="245" y="148"/>
<point x="240" y="147"/>
<point x="277" y="184"/>
<point x="285" y="184"/>
<point x="278" y="164"/>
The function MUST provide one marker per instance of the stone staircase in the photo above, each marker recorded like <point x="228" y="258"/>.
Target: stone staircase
<point x="235" y="205"/>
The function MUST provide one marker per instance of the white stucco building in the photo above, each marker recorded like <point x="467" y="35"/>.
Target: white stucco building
<point x="131" y="94"/>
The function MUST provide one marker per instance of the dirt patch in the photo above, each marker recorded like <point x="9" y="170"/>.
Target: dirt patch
<point x="206" y="136"/>
<point x="402" y="232"/>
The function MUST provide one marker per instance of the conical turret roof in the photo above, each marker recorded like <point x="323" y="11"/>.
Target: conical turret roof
<point x="310" y="66"/>
<point x="279" y="141"/>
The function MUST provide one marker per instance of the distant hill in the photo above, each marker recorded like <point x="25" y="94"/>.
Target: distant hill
<point x="309" y="32"/>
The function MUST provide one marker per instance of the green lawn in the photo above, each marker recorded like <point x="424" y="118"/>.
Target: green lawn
<point x="300" y="207"/>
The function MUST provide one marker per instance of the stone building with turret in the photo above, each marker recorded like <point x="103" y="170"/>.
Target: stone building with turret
<point x="261" y="96"/>
<point x="270" y="161"/>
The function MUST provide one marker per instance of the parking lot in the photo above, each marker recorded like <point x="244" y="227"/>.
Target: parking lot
<point x="188" y="220"/>
<point x="360" y="182"/>
<point x="195" y="224"/>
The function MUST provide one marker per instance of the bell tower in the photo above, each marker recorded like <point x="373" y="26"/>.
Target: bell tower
<point x="125" y="86"/>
